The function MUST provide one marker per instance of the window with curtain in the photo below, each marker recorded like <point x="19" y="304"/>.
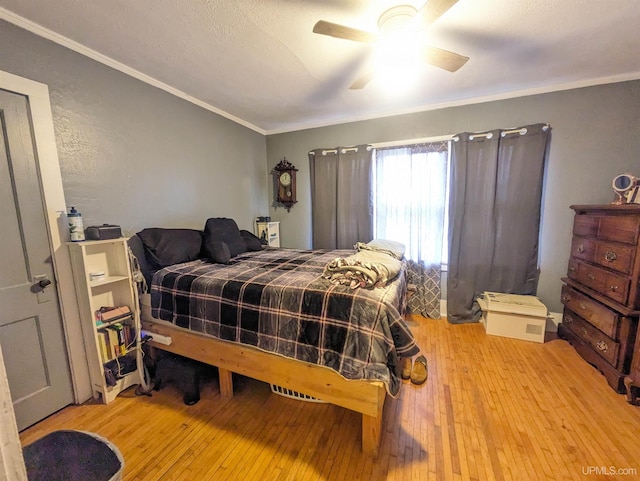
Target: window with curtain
<point x="410" y="207"/>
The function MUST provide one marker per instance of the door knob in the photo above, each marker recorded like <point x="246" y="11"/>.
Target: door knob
<point x="39" y="288"/>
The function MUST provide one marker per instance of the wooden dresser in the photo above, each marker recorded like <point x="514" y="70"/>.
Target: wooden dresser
<point x="601" y="294"/>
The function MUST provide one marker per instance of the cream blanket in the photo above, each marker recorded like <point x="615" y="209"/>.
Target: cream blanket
<point x="393" y="248"/>
<point x="371" y="266"/>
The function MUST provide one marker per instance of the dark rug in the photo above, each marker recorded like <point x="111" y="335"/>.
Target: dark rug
<point x="71" y="456"/>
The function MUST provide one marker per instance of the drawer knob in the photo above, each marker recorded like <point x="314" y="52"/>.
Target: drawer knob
<point x="582" y="306"/>
<point x="591" y="276"/>
<point x="602" y="346"/>
<point x="572" y="269"/>
<point x="614" y="288"/>
<point x="584" y="331"/>
<point x="568" y="319"/>
<point x="566" y="298"/>
<point x="610" y="256"/>
<point x="580" y="248"/>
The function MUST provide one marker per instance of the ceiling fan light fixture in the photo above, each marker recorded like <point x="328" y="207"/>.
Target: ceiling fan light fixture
<point x="400" y="51"/>
<point x="396" y="18"/>
<point x="400" y="40"/>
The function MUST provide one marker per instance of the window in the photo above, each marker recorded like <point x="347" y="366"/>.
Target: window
<point x="410" y="199"/>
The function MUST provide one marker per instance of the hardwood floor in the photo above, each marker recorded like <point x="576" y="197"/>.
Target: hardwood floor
<point x="492" y="409"/>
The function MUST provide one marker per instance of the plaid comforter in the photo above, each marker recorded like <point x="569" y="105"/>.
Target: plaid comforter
<point x="277" y="301"/>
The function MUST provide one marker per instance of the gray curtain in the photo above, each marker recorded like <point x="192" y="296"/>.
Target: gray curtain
<point x="494" y="216"/>
<point x="341" y="196"/>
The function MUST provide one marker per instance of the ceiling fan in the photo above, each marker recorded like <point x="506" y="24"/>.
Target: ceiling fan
<point x="399" y="19"/>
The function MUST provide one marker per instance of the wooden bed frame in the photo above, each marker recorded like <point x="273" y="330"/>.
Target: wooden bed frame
<point x="365" y="397"/>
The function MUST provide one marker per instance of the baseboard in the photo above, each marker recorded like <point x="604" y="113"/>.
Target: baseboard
<point x="553" y="320"/>
<point x="443" y="308"/>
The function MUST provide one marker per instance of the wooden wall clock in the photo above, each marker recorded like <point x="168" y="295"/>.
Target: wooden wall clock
<point x="285" y="173"/>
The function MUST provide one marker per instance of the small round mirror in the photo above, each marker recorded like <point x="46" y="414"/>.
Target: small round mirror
<point x="623" y="182"/>
<point x="623" y="185"/>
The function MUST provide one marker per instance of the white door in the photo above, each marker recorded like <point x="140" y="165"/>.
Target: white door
<point x="31" y="333"/>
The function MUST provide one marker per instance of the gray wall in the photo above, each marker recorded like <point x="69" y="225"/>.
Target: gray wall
<point x="595" y="136"/>
<point x="134" y="155"/>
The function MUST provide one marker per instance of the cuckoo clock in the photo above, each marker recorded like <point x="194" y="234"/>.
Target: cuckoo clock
<point x="285" y="173"/>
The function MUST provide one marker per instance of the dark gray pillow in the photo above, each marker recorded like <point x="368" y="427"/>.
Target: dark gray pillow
<point x="221" y="229"/>
<point x="251" y="241"/>
<point x="166" y="247"/>
<point x="217" y="252"/>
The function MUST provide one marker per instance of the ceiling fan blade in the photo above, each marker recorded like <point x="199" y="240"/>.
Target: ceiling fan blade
<point x="433" y="10"/>
<point x="362" y="81"/>
<point x="444" y="59"/>
<point x="346" y="33"/>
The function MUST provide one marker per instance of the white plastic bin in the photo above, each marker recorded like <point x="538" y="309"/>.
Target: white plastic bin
<point x="512" y="315"/>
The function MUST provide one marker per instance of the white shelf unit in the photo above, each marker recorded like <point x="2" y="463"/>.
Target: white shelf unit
<point x="116" y="289"/>
<point x="269" y="231"/>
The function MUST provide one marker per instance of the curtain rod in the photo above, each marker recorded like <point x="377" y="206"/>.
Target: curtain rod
<point x="393" y="143"/>
<point x="489" y="135"/>
<point x="424" y="140"/>
<point x="344" y="150"/>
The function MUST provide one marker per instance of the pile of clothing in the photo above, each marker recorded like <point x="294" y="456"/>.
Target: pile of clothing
<point x="375" y="264"/>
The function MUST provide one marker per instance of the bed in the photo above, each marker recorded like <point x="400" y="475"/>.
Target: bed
<point x="269" y="315"/>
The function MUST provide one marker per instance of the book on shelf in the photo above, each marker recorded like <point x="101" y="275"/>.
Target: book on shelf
<point x="104" y="346"/>
<point x="129" y="334"/>
<point x="120" y="345"/>
<point x="113" y="343"/>
<point x="110" y="314"/>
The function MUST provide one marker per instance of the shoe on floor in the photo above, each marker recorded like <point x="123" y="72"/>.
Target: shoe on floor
<point x="405" y="365"/>
<point x="419" y="373"/>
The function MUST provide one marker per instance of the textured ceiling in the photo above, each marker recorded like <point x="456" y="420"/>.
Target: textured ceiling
<point x="258" y="62"/>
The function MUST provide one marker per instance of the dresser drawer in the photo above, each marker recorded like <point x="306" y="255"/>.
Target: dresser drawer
<point x="598" y="341"/>
<point x="615" y="256"/>
<point x="619" y="229"/>
<point x="583" y="248"/>
<point x="591" y="276"/>
<point x="572" y="269"/>
<point x="614" y="286"/>
<point x="585" y="225"/>
<point x="598" y="315"/>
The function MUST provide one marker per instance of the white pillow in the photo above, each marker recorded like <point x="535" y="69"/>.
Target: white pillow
<point x="391" y="247"/>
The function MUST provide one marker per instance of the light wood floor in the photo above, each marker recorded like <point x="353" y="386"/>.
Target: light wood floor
<point x="492" y="409"/>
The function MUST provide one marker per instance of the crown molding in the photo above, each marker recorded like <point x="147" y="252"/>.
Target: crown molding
<point x="466" y="101"/>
